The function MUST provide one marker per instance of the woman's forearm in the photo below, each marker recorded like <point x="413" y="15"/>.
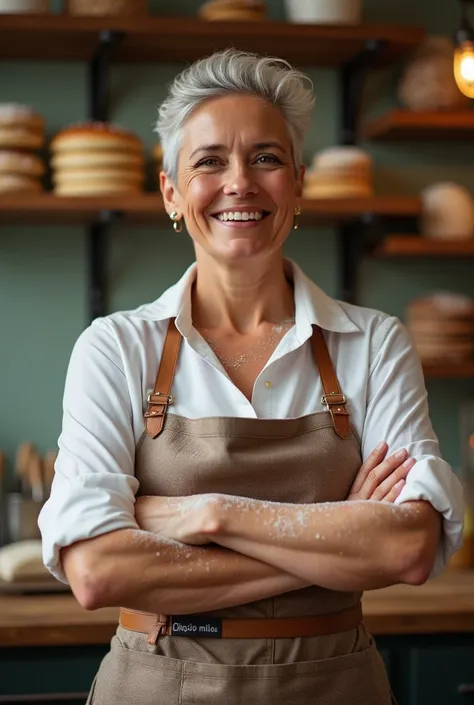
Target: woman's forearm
<point x="340" y="546"/>
<point x="138" y="570"/>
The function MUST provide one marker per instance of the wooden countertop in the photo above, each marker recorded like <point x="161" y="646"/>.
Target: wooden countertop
<point x="445" y="604"/>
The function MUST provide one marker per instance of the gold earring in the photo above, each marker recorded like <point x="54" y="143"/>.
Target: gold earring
<point x="297" y="213"/>
<point x="177" y="224"/>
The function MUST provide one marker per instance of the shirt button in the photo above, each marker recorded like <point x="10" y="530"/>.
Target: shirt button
<point x="268" y="384"/>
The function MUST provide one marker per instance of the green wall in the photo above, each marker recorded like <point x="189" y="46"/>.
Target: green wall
<point x="43" y="274"/>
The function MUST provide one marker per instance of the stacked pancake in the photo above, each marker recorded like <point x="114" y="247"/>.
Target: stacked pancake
<point x="233" y="10"/>
<point x="442" y="327"/>
<point x="157" y="155"/>
<point x="97" y="158"/>
<point x="21" y="135"/>
<point x="339" y="172"/>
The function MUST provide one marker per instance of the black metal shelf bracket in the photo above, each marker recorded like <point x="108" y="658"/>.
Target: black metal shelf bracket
<point x="351" y="235"/>
<point x="97" y="258"/>
<point x="99" y="90"/>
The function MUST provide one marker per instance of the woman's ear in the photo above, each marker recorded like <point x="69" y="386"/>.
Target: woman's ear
<point x="300" y="180"/>
<point x="169" y="192"/>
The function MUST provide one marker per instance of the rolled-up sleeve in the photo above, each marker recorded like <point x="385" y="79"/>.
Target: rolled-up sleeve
<point x="94" y="487"/>
<point x="397" y="412"/>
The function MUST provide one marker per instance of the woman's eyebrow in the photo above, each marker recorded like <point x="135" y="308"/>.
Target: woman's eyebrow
<point x="208" y="148"/>
<point x="222" y="147"/>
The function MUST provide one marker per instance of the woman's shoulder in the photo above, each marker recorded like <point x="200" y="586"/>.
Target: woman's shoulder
<point x="123" y="335"/>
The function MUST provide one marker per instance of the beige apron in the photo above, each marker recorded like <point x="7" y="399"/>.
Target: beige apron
<point x="301" y="460"/>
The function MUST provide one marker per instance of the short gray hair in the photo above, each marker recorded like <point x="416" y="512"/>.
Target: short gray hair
<point x="231" y="71"/>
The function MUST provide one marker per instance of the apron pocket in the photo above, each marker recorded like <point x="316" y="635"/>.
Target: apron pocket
<point x="351" y="679"/>
<point x="136" y="678"/>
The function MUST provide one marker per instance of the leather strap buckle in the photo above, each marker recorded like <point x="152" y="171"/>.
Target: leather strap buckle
<point x="162" y="398"/>
<point x="333" y="399"/>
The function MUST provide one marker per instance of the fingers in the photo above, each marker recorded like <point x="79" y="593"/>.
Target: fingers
<point x="374" y="459"/>
<point x="377" y="475"/>
<point x="388" y="485"/>
<point x="394" y="492"/>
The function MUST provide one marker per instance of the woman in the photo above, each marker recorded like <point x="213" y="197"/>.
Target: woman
<point x="213" y="441"/>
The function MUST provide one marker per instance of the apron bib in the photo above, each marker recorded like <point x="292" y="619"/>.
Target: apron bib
<point x="307" y="460"/>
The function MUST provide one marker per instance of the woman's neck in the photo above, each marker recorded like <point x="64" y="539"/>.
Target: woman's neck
<point x="241" y="298"/>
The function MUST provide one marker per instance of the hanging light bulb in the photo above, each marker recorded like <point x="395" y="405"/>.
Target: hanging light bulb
<point x="464" y="54"/>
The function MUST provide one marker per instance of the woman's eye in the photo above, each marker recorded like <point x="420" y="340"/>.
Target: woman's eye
<point x="208" y="161"/>
<point x="267" y="159"/>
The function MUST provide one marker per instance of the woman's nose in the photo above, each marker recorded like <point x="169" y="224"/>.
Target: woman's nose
<point x="240" y="182"/>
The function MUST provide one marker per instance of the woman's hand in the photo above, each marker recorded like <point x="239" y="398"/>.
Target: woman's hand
<point x="382" y="478"/>
<point x="185" y="519"/>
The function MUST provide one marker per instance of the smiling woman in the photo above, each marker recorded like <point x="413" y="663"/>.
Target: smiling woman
<point x="242" y="457"/>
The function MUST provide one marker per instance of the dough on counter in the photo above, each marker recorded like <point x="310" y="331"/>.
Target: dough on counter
<point x="23" y="561"/>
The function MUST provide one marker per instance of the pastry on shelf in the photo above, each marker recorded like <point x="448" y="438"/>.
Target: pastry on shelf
<point x="20" y="127"/>
<point x="97" y="158"/>
<point x="233" y="10"/>
<point x="442" y="327"/>
<point x="20" y="7"/>
<point x="108" y="8"/>
<point x="20" y="171"/>
<point x="447" y="212"/>
<point x="339" y="172"/>
<point x="428" y="81"/>
<point x="21" y="134"/>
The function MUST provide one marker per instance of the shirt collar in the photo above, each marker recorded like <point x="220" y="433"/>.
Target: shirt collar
<point x="312" y="305"/>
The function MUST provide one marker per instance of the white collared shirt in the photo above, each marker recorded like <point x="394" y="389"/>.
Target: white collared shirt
<point x="114" y="365"/>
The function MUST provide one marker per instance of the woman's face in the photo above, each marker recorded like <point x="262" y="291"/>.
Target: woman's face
<point x="236" y="185"/>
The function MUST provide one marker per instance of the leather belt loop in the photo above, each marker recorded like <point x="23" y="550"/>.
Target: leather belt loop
<point x="333" y="397"/>
<point x="159" y="400"/>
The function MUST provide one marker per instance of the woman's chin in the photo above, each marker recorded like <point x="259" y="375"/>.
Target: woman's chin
<point x="240" y="248"/>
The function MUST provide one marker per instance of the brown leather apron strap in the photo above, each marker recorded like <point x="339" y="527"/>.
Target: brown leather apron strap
<point x="202" y="627"/>
<point x="160" y="398"/>
<point x="333" y="397"/>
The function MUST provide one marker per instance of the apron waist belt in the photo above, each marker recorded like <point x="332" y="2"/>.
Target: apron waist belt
<point x="201" y="626"/>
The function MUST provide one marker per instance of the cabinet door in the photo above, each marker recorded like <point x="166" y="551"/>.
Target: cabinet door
<point x="442" y="675"/>
<point x="48" y="674"/>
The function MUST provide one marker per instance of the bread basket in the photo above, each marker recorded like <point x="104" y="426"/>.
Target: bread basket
<point x="108" y="8"/>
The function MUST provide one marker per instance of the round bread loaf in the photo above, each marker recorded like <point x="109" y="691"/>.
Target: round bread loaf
<point x="95" y="136"/>
<point x="233" y="10"/>
<point x="16" y="115"/>
<point x="92" y="187"/>
<point x="337" y="190"/>
<point x="65" y="160"/>
<point x="343" y="158"/>
<point x="10" y="183"/>
<point x="445" y="304"/>
<point x="107" y="175"/>
<point x="12" y="162"/>
<point x="20" y="138"/>
<point x="103" y="8"/>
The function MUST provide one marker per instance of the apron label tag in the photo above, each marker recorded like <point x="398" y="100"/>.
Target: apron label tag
<point x="196" y="626"/>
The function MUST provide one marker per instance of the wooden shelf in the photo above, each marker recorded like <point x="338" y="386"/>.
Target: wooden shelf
<point x="178" y="39"/>
<point x="409" y="125"/>
<point x="147" y="209"/>
<point x="450" y="370"/>
<point x="417" y="246"/>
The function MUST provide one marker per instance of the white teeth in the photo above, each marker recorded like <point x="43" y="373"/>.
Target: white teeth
<point x="240" y="215"/>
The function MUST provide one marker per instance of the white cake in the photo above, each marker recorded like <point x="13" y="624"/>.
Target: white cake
<point x="17" y="7"/>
